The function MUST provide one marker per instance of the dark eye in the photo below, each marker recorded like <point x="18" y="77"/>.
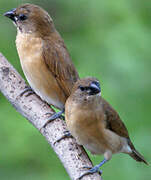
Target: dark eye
<point x="22" y="17"/>
<point x="81" y="88"/>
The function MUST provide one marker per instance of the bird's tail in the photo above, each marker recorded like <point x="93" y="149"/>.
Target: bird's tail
<point x="137" y="156"/>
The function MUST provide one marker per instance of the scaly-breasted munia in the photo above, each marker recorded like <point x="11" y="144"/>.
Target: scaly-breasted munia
<point x="95" y="124"/>
<point x="43" y="55"/>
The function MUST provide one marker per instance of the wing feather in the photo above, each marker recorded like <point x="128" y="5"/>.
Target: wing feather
<point x="59" y="63"/>
<point x="113" y="121"/>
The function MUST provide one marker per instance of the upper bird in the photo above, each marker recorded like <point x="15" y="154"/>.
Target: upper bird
<point x="43" y="55"/>
<point x="95" y="124"/>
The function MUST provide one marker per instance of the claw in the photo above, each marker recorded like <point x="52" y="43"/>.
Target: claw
<point x="62" y="117"/>
<point x="53" y="117"/>
<point x="27" y="89"/>
<point x="87" y="167"/>
<point x="67" y="134"/>
<point x="56" y="115"/>
<point x="94" y="169"/>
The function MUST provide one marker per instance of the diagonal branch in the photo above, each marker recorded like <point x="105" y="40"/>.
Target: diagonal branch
<point x="72" y="156"/>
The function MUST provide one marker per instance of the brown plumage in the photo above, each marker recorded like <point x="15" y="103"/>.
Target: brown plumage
<point x="95" y="124"/>
<point x="43" y="55"/>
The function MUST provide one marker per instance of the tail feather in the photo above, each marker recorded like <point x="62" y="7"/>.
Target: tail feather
<point x="137" y="156"/>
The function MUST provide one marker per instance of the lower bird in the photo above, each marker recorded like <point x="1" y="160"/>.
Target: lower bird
<point x="95" y="124"/>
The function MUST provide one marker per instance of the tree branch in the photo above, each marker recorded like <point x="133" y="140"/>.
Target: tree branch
<point x="72" y="156"/>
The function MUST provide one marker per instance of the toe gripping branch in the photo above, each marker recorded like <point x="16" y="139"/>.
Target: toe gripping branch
<point x="94" y="169"/>
<point x="28" y="91"/>
<point x="56" y="115"/>
<point x="53" y="117"/>
<point x="67" y="134"/>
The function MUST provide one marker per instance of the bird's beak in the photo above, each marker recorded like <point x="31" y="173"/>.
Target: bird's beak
<point x="10" y="14"/>
<point x="95" y="87"/>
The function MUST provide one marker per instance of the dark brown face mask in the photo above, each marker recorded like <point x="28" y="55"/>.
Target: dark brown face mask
<point x="93" y="89"/>
<point x="14" y="17"/>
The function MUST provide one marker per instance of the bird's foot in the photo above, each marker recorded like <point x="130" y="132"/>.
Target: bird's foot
<point x="62" y="117"/>
<point x="67" y="134"/>
<point x="28" y="90"/>
<point x="93" y="169"/>
<point x="53" y="117"/>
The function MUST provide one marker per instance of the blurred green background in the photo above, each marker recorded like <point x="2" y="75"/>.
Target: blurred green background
<point x="110" y="40"/>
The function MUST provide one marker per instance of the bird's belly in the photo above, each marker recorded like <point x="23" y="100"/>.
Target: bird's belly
<point x="43" y="83"/>
<point x="37" y="74"/>
<point x="115" y="142"/>
<point x="94" y="143"/>
<point x="95" y="148"/>
<point x="101" y="142"/>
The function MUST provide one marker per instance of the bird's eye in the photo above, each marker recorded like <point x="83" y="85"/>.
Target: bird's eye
<point x="81" y="88"/>
<point x="22" y="17"/>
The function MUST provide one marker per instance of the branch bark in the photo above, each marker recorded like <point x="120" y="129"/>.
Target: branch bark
<point x="72" y="156"/>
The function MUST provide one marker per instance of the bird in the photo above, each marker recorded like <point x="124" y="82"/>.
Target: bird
<point x="43" y="55"/>
<point x="93" y="122"/>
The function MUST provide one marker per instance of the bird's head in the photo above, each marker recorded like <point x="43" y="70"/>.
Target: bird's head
<point x="87" y="88"/>
<point x="31" y="18"/>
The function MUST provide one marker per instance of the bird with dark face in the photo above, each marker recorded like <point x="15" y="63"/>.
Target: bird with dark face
<point x="95" y="124"/>
<point x="43" y="55"/>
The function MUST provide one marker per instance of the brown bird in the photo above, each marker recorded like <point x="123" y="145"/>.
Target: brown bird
<point x="43" y="55"/>
<point x="95" y="124"/>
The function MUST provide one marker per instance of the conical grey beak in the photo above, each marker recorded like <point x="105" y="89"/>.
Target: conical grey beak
<point x="10" y="14"/>
<point x="95" y="88"/>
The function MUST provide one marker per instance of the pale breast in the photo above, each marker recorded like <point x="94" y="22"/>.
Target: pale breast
<point x="37" y="74"/>
<point x="85" y="129"/>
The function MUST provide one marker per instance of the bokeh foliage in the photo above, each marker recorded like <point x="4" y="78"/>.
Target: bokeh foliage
<point x="110" y="40"/>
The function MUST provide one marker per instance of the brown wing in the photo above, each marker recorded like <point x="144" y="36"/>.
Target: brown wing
<point x="59" y="63"/>
<point x="113" y="121"/>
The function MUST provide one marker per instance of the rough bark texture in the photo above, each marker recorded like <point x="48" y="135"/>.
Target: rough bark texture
<point x="72" y="156"/>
